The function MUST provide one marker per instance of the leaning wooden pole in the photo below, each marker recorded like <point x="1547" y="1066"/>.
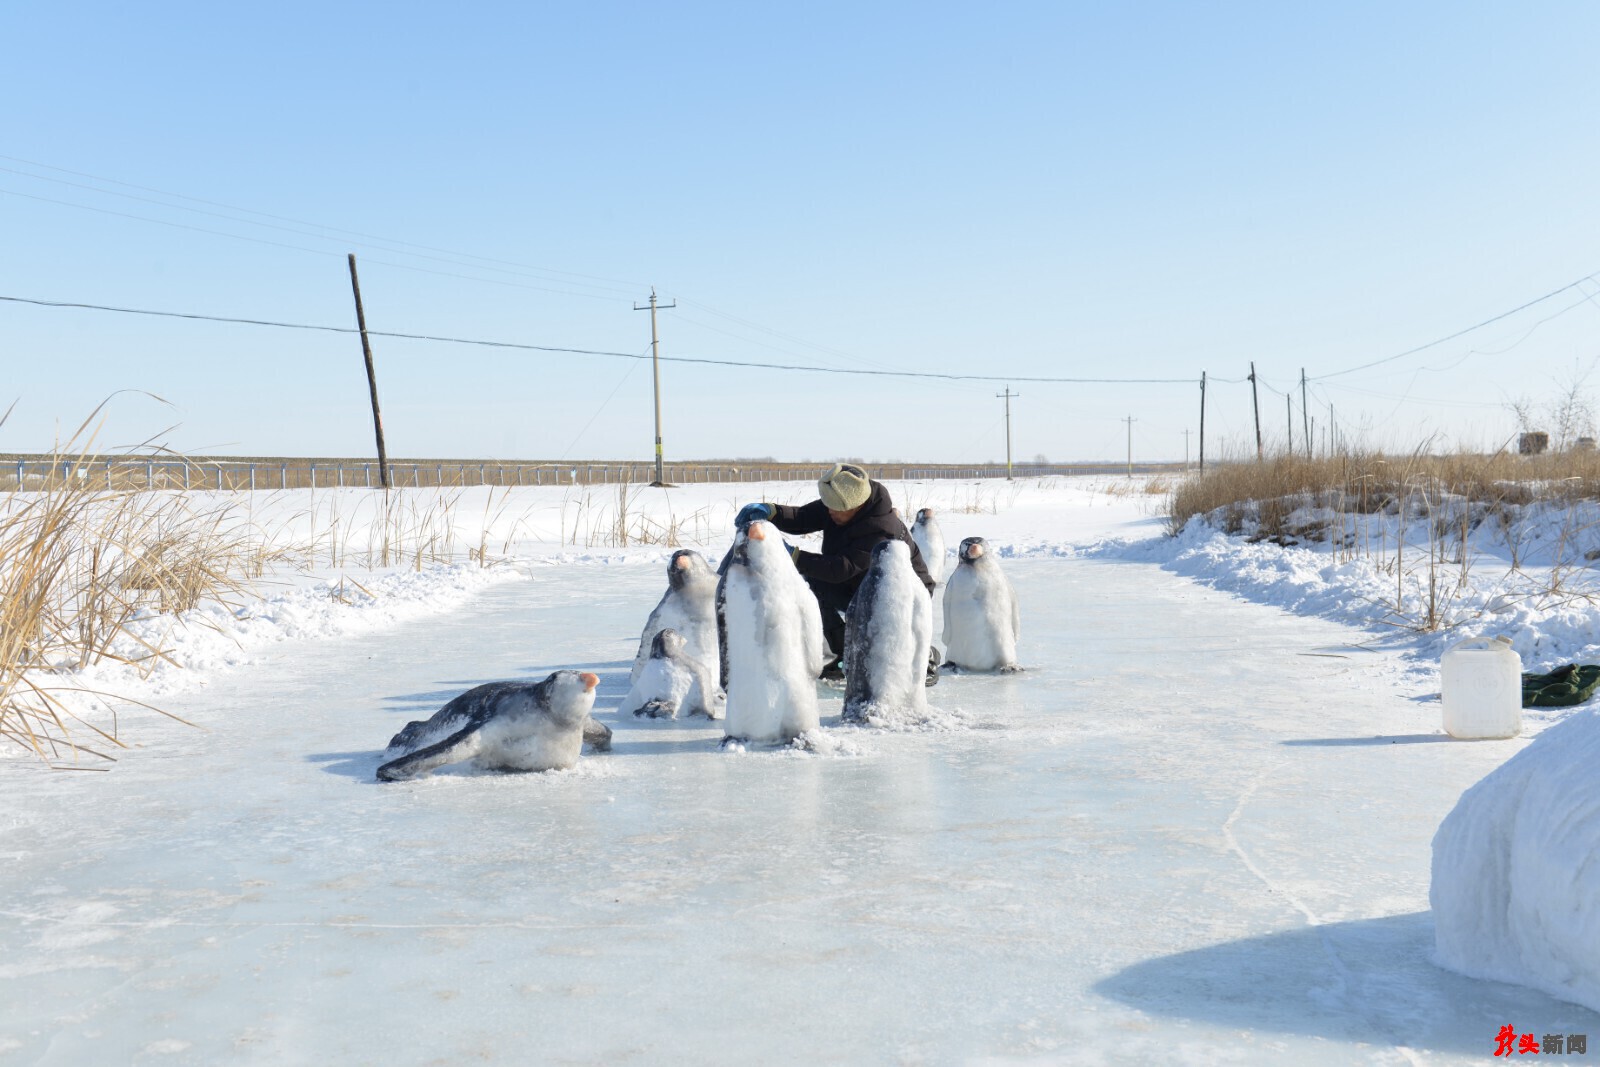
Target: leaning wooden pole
<point x="1255" y="405"/>
<point x="372" y="376"/>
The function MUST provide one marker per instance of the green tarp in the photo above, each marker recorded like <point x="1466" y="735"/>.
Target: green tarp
<point x="1562" y="687"/>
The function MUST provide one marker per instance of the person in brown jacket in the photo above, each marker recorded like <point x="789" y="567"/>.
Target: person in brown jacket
<point x="853" y="513"/>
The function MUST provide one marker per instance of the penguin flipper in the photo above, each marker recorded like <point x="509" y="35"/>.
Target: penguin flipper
<point x="459" y="746"/>
<point x="656" y="709"/>
<point x="597" y="735"/>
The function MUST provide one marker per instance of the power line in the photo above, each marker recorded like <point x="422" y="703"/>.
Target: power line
<point x="931" y="375"/>
<point x="1461" y="333"/>
<point x="298" y="248"/>
<point x="343" y="233"/>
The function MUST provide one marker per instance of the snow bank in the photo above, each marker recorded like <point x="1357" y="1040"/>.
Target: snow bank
<point x="1516" y="869"/>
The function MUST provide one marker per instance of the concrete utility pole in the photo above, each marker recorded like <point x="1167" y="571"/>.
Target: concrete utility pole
<point x="1288" y="408"/>
<point x="1255" y="403"/>
<point x="1186" y="433"/>
<point x="1305" y="412"/>
<point x="372" y="377"/>
<point x="1130" y="420"/>
<point x="655" y="369"/>
<point x="1008" y="394"/>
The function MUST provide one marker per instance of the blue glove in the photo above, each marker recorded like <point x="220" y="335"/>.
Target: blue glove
<point x="794" y="552"/>
<point x="753" y="513"/>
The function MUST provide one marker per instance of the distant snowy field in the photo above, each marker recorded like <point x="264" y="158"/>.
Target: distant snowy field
<point x="1196" y="830"/>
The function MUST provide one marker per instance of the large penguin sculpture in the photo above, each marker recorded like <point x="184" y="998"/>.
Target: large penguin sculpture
<point x="689" y="607"/>
<point x="930" y="542"/>
<point x="888" y="630"/>
<point x="774" y="646"/>
<point x="981" y="621"/>
<point x="506" y="726"/>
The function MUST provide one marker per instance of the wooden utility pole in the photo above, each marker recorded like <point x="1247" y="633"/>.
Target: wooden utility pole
<point x="1008" y="394"/>
<point x="655" y="368"/>
<point x="1255" y="404"/>
<point x="1130" y="420"/>
<point x="1202" y="422"/>
<point x="372" y="376"/>
<point x="1305" y="412"/>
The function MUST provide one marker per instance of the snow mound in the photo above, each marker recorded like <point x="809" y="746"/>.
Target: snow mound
<point x="1516" y="869"/>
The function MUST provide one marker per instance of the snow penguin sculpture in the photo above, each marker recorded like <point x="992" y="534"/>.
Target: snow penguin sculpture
<point x="774" y="640"/>
<point x="689" y="607"/>
<point x="981" y="621"/>
<point x="888" y="630"/>
<point x="930" y="542"/>
<point x="509" y="726"/>
<point x="673" y="681"/>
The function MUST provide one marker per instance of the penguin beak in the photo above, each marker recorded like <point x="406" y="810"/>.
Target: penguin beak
<point x="758" y="531"/>
<point x="589" y="681"/>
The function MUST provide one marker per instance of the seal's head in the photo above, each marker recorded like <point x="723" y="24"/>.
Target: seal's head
<point x="568" y="695"/>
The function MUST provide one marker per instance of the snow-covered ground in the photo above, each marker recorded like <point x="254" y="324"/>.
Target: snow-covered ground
<point x="1197" y="829"/>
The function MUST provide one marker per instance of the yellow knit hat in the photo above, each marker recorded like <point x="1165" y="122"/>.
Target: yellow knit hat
<point x="845" y="487"/>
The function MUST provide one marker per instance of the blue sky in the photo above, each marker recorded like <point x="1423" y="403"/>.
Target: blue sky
<point x="1056" y="190"/>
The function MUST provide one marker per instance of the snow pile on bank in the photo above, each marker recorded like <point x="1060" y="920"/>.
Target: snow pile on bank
<point x="1516" y="869"/>
<point x="1544" y="597"/>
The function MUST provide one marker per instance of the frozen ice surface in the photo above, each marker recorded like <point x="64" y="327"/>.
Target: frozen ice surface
<point x="1516" y="868"/>
<point x="1195" y="831"/>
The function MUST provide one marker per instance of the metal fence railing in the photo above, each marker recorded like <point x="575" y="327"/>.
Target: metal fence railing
<point x="168" y="472"/>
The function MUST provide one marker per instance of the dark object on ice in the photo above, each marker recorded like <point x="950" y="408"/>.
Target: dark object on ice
<point x="831" y="671"/>
<point x="512" y="726"/>
<point x="1562" y="687"/>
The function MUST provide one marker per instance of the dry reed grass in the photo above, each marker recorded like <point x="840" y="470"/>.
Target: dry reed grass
<point x="1288" y="500"/>
<point x="1370" y="482"/>
<point x="82" y="569"/>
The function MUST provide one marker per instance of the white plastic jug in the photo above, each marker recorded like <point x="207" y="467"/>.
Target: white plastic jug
<point x="1481" y="687"/>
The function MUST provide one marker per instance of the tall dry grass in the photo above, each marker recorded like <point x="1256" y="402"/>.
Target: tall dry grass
<point x="1434" y="502"/>
<point x="83" y="570"/>
<point x="1368" y="482"/>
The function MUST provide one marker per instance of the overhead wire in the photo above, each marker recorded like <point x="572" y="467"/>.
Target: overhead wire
<point x="1469" y="329"/>
<point x="603" y="405"/>
<point x="302" y="248"/>
<point x="495" y="264"/>
<point x="700" y="360"/>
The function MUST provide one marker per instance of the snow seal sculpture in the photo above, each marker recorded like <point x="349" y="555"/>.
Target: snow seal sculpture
<point x="689" y="607"/>
<point x="1514" y="879"/>
<point x="510" y="726"/>
<point x="981" y="621"/>
<point x="930" y="542"/>
<point x="673" y="681"/>
<point x="888" y="630"/>
<point x="774" y="640"/>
